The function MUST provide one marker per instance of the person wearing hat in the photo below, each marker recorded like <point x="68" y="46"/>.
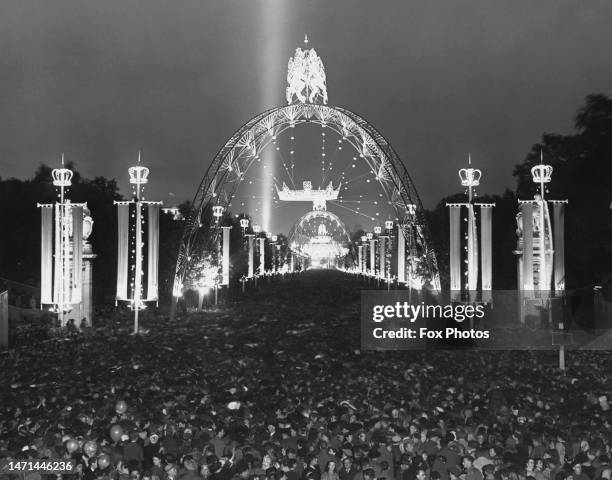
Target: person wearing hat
<point x="348" y="470"/>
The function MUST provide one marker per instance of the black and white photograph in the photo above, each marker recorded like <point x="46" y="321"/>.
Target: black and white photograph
<point x="305" y="240"/>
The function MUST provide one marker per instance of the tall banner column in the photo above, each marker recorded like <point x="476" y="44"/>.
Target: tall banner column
<point x="123" y="217"/>
<point x="381" y="257"/>
<point x="226" y="256"/>
<point x="372" y="257"/>
<point x="559" y="243"/>
<point x="455" y="249"/>
<point x="486" y="211"/>
<point x="251" y="256"/>
<point x="46" y="260"/>
<point x="527" y="215"/>
<point x="360" y="257"/>
<point x="472" y="245"/>
<point x="77" y="257"/>
<point x="262" y="255"/>
<point x="401" y="254"/>
<point x="153" y="251"/>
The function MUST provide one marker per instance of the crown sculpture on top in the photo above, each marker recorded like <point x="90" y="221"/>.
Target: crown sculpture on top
<point x="306" y="77"/>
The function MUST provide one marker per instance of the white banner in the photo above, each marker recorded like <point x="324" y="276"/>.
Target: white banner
<point x="527" y="271"/>
<point x="153" y="251"/>
<point x="77" y="255"/>
<point x="46" y="254"/>
<point x="559" y="243"/>
<point x="455" y="248"/>
<point x="123" y="223"/>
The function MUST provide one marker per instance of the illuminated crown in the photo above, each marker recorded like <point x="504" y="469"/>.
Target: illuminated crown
<point x="541" y="173"/>
<point x="217" y="211"/>
<point x="61" y="177"/>
<point x="377" y="230"/>
<point x="470" y="177"/>
<point x="138" y="174"/>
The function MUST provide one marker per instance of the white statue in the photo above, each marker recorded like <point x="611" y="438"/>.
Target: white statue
<point x="306" y="77"/>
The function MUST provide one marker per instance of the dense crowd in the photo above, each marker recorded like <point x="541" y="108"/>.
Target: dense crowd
<point x="278" y="389"/>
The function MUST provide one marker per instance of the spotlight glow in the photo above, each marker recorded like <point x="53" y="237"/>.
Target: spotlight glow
<point x="273" y="60"/>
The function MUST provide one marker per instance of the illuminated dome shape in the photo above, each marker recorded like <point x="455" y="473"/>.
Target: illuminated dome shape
<point x="321" y="236"/>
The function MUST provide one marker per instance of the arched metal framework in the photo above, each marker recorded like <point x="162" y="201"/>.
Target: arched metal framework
<point x="229" y="166"/>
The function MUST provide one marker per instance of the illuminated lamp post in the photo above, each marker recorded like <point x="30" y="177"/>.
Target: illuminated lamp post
<point x="372" y="241"/>
<point x="217" y="212"/>
<point x="244" y="224"/>
<point x="411" y="217"/>
<point x="381" y="244"/>
<point x="274" y="238"/>
<point x="361" y="253"/>
<point x="262" y="251"/>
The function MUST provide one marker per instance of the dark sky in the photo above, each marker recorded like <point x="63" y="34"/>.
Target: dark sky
<point x="100" y="80"/>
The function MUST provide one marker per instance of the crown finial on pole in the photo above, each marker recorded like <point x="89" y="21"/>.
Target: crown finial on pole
<point x="306" y="39"/>
<point x="470" y="177"/>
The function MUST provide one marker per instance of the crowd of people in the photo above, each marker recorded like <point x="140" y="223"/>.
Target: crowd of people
<point x="276" y="387"/>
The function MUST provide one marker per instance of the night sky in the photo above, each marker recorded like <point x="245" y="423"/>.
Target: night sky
<point x="100" y="80"/>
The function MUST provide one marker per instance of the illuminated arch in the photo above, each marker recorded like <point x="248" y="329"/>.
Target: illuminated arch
<point x="231" y="163"/>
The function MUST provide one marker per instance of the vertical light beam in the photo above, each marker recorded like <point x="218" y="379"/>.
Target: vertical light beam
<point x="273" y="69"/>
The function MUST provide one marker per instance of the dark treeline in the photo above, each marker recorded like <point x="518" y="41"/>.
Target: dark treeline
<point x="582" y="163"/>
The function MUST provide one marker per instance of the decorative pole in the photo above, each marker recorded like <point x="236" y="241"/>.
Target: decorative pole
<point x="274" y="253"/>
<point x="389" y="228"/>
<point x="411" y="213"/>
<point x="226" y="254"/>
<point x="372" y="241"/>
<point x="364" y="254"/>
<point x="470" y="178"/>
<point x="256" y="230"/>
<point x="138" y="177"/>
<point x="62" y="252"/>
<point x="547" y="262"/>
<point x="262" y="251"/>
<point x="360" y="258"/>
